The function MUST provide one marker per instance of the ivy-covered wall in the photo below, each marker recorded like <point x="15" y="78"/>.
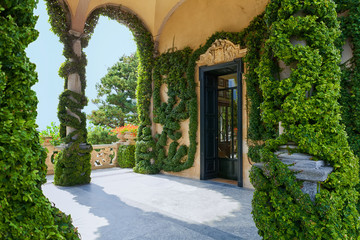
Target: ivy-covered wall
<point x="25" y="213"/>
<point x="170" y="69"/>
<point x="350" y="77"/>
<point x="307" y="105"/>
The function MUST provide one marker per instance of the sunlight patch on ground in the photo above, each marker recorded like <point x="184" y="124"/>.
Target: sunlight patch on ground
<point x="87" y="223"/>
<point x="170" y="198"/>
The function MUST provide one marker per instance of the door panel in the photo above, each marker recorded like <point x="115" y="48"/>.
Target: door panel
<point x="210" y="128"/>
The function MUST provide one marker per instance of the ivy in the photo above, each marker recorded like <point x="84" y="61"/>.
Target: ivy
<point x="25" y="213"/>
<point x="350" y="77"/>
<point x="72" y="165"/>
<point x="170" y="69"/>
<point x="307" y="105"/>
<point x="145" y="144"/>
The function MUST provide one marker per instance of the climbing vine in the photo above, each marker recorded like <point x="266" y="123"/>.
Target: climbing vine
<point x="306" y="104"/>
<point x="350" y="78"/>
<point x="72" y="164"/>
<point x="25" y="213"/>
<point x="170" y="70"/>
<point x="145" y="47"/>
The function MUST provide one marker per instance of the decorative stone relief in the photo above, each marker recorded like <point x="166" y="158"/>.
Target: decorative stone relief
<point x="221" y="51"/>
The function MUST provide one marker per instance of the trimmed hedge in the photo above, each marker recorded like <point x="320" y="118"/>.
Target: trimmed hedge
<point x="126" y="156"/>
<point x="25" y="213"/>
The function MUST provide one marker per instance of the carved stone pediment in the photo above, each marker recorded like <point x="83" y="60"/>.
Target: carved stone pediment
<point x="221" y="51"/>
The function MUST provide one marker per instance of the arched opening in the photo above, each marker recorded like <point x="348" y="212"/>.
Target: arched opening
<point x="73" y="164"/>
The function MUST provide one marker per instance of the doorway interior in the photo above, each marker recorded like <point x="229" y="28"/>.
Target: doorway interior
<point x="221" y="121"/>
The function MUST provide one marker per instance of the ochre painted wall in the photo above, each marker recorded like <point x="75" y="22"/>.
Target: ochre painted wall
<point x="196" y="20"/>
<point x="180" y="24"/>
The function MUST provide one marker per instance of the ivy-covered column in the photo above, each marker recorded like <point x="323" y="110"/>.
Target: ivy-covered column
<point x="25" y="213"/>
<point x="302" y="36"/>
<point x="72" y="166"/>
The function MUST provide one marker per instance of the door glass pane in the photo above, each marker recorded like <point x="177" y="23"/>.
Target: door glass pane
<point x="235" y="124"/>
<point x="224" y="123"/>
<point x="227" y="116"/>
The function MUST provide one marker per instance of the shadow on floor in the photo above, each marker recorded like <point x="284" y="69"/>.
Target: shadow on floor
<point x="126" y="222"/>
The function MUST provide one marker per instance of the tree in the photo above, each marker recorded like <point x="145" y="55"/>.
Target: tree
<point x="116" y="94"/>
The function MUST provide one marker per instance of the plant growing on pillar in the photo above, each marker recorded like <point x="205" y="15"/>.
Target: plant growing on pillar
<point x="73" y="163"/>
<point x="25" y="213"/>
<point x="350" y="77"/>
<point x="306" y="104"/>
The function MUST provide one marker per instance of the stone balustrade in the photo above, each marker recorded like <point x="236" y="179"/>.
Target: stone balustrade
<point x="102" y="156"/>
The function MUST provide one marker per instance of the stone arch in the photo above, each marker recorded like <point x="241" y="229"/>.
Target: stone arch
<point x="72" y="100"/>
<point x="121" y="8"/>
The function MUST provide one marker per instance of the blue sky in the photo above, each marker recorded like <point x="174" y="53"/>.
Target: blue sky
<point x="109" y="42"/>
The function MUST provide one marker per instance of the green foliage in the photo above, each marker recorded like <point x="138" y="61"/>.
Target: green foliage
<point x="145" y="49"/>
<point x="350" y="77"/>
<point x="100" y="135"/>
<point x="64" y="224"/>
<point x="306" y="104"/>
<point x="25" y="213"/>
<point x="170" y="69"/>
<point x="118" y="87"/>
<point x="126" y="156"/>
<point x="73" y="163"/>
<point x="53" y="132"/>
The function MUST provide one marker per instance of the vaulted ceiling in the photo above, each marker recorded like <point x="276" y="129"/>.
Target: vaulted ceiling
<point x="176" y="16"/>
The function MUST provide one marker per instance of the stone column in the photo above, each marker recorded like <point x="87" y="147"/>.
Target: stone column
<point x="74" y="82"/>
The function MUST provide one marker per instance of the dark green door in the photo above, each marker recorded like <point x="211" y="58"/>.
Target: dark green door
<point x="211" y="164"/>
<point x="221" y="122"/>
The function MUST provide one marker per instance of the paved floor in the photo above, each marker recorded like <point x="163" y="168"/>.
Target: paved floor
<point x="120" y="204"/>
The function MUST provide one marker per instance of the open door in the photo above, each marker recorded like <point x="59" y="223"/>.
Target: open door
<point x="221" y="121"/>
<point x="209" y="123"/>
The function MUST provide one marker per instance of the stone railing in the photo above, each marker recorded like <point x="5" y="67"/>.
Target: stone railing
<point x="102" y="156"/>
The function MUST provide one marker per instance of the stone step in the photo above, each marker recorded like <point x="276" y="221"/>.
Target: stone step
<point x="303" y="163"/>
<point x="306" y="174"/>
<point x="294" y="156"/>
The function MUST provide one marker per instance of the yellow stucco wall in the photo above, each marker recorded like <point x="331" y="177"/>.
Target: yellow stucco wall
<point x="196" y="20"/>
<point x="180" y="24"/>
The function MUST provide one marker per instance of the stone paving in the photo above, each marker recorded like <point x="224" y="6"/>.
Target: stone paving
<point x="120" y="204"/>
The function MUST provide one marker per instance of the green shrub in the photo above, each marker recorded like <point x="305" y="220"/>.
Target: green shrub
<point x="100" y="135"/>
<point x="52" y="131"/>
<point x="126" y="156"/>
